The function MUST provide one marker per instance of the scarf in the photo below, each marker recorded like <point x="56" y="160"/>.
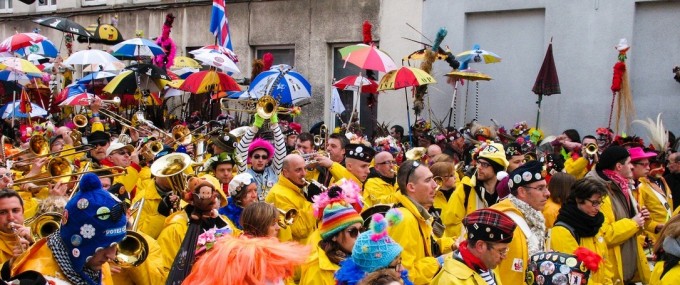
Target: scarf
<point x="470" y="259"/>
<point x="584" y="225"/>
<point x="233" y="212"/>
<point x="61" y="256"/>
<point x="536" y="223"/>
<point x="621" y="181"/>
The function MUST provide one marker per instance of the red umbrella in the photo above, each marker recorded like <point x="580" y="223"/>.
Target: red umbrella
<point x="209" y="81"/>
<point x="21" y="40"/>
<point x="547" y="82"/>
<point x="367" y="85"/>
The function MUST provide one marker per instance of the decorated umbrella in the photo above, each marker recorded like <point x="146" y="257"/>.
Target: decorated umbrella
<point x="20" y="65"/>
<point x="17" y="77"/>
<point x="477" y="55"/>
<point x="216" y="49"/>
<point x="184" y="62"/>
<point x="12" y="109"/>
<point x="95" y="76"/>
<point x="153" y="71"/>
<point x="101" y="34"/>
<point x="90" y="56"/>
<point x="209" y="81"/>
<point x="184" y="72"/>
<point x="45" y="47"/>
<point x="69" y="91"/>
<point x="547" y="82"/>
<point x="402" y="78"/>
<point x="37" y="59"/>
<point x="368" y="57"/>
<point x="21" y="40"/>
<point x="64" y="25"/>
<point x="113" y="67"/>
<point x="82" y="99"/>
<point x="126" y="83"/>
<point x="218" y="60"/>
<point x="356" y="82"/>
<point x="469" y="75"/>
<point x="283" y="83"/>
<point x="137" y="47"/>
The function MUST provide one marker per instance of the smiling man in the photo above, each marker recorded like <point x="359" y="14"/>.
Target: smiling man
<point x="528" y="195"/>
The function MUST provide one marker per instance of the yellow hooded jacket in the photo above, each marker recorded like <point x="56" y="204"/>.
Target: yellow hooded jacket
<point x="658" y="212"/>
<point x="318" y="270"/>
<point x="378" y="191"/>
<point x="672" y="277"/>
<point x="455" y="272"/>
<point x="285" y="195"/>
<point x="511" y="270"/>
<point x="456" y="210"/>
<point x="562" y="240"/>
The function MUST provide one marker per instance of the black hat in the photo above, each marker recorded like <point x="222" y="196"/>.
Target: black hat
<point x="513" y="149"/>
<point x="527" y="173"/>
<point x="360" y="152"/>
<point x="226" y="142"/>
<point x="98" y="137"/>
<point x="610" y="156"/>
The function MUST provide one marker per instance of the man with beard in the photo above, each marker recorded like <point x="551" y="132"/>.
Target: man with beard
<point x="380" y="187"/>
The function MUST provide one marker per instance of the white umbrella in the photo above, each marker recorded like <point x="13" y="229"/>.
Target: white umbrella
<point x="114" y="67"/>
<point x="11" y="108"/>
<point x="218" y="60"/>
<point x="35" y="58"/>
<point x="91" y="56"/>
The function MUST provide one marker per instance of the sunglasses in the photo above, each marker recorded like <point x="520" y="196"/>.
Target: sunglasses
<point x="390" y="162"/>
<point x="354" y="232"/>
<point x="414" y="165"/>
<point x="257" y="156"/>
<point x="121" y="152"/>
<point x="101" y="144"/>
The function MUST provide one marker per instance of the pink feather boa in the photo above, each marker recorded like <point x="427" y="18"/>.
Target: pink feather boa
<point x="168" y="45"/>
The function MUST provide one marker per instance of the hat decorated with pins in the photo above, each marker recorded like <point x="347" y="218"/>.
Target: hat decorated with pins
<point x="489" y="225"/>
<point x="360" y="152"/>
<point x="226" y="141"/>
<point x="375" y="249"/>
<point x="93" y="220"/>
<point x="525" y="174"/>
<point x="553" y="268"/>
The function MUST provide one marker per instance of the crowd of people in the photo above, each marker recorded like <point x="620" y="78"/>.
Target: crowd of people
<point x="271" y="204"/>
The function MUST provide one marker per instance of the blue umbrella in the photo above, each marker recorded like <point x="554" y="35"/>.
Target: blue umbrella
<point x="6" y="75"/>
<point x="94" y="76"/>
<point x="12" y="110"/>
<point x="283" y="83"/>
<point x="45" y="47"/>
<point x="75" y="89"/>
<point x="239" y="95"/>
<point x="137" y="47"/>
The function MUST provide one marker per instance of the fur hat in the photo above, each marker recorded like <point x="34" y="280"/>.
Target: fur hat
<point x="260" y="144"/>
<point x="93" y="219"/>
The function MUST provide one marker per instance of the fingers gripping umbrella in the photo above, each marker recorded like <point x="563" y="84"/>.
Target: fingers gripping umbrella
<point x="547" y="82"/>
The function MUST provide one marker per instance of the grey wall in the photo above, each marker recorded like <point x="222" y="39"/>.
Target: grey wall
<point x="584" y="34"/>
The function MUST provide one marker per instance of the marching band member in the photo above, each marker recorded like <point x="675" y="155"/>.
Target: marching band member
<point x="335" y="146"/>
<point x="122" y="155"/>
<point x="288" y="194"/>
<point x="30" y="204"/>
<point x="15" y="238"/>
<point x="221" y="165"/>
<point x="358" y="157"/>
<point x="579" y="164"/>
<point x="528" y="195"/>
<point x="381" y="186"/>
<point x="265" y="161"/>
<point x="78" y="253"/>
<point x="242" y="193"/>
<point x="656" y="198"/>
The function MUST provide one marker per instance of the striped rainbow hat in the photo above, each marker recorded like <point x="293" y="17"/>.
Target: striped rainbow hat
<point x="337" y="217"/>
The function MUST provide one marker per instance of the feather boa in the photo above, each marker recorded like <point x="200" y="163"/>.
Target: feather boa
<point x="350" y="274"/>
<point x="164" y="41"/>
<point x="346" y="191"/>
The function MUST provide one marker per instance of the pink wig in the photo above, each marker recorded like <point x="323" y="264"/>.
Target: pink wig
<point x="164" y="41"/>
<point x="247" y="261"/>
<point x="260" y="144"/>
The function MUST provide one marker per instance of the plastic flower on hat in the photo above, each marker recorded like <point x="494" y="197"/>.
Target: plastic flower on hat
<point x="208" y="238"/>
<point x="387" y="143"/>
<point x="519" y="129"/>
<point x="343" y="191"/>
<point x="295" y="111"/>
<point x="87" y="231"/>
<point x="355" y="139"/>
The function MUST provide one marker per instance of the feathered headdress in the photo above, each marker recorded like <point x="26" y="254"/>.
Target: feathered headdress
<point x="164" y="41"/>
<point x="426" y="65"/>
<point x="343" y="191"/>
<point x="658" y="135"/>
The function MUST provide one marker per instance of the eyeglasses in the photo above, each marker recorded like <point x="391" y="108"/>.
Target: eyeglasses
<point x="595" y="203"/>
<point x="483" y="164"/>
<point x="101" y="144"/>
<point x="502" y="252"/>
<point x="257" y="156"/>
<point x="390" y="162"/>
<point x="540" y="189"/>
<point x="414" y="165"/>
<point x="354" y="231"/>
<point x="121" y="152"/>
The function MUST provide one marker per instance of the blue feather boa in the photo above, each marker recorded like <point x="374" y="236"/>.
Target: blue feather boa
<point x="233" y="212"/>
<point x="350" y="273"/>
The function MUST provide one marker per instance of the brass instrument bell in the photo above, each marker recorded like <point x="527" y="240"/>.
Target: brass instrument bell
<point x="44" y="224"/>
<point x="286" y="217"/>
<point x="132" y="250"/>
<point x="591" y="149"/>
<point x="266" y="106"/>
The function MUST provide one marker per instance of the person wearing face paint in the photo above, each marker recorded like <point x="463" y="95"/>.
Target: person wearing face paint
<point x="265" y="159"/>
<point x="578" y="224"/>
<point x="624" y="219"/>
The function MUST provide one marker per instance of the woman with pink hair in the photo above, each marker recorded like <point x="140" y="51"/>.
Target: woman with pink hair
<point x="265" y="159"/>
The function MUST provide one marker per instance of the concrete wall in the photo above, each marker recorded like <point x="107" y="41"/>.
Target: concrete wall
<point x="584" y="33"/>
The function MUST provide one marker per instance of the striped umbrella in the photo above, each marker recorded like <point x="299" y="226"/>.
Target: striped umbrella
<point x="368" y="57"/>
<point x="353" y="82"/>
<point x="283" y="83"/>
<point x="82" y="99"/>
<point x="209" y="81"/>
<point x="137" y="47"/>
<point x="20" y="65"/>
<point x="405" y="77"/>
<point x="21" y="40"/>
<point x="45" y="47"/>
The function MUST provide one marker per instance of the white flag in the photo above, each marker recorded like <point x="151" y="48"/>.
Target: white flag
<point x="336" y="104"/>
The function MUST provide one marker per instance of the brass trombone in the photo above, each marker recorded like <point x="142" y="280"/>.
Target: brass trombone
<point x="286" y="218"/>
<point x="264" y="107"/>
<point x="54" y="177"/>
<point x="44" y="224"/>
<point x="133" y="249"/>
<point x="39" y="147"/>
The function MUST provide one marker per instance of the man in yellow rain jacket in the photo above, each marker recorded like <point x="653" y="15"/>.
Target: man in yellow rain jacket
<point x="414" y="233"/>
<point x="528" y="195"/>
<point x="476" y="192"/>
<point x="14" y="236"/>
<point x="381" y="187"/>
<point x="288" y="194"/>
<point x="358" y="157"/>
<point x="78" y="253"/>
<point x="623" y="220"/>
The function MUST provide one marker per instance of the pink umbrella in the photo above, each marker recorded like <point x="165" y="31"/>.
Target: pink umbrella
<point x="367" y="85"/>
<point x="82" y="99"/>
<point x="21" y="40"/>
<point x="368" y="57"/>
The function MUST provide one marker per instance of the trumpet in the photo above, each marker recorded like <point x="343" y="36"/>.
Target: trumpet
<point x="133" y="249"/>
<point x="309" y="157"/>
<point x="591" y="149"/>
<point x="286" y="218"/>
<point x="264" y="107"/>
<point x="105" y="103"/>
<point x="76" y="136"/>
<point x="315" y="183"/>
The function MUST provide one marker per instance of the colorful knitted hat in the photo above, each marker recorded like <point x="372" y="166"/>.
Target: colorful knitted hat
<point x="260" y="144"/>
<point x="337" y="217"/>
<point x="374" y="249"/>
<point x="93" y="219"/>
<point x="494" y="153"/>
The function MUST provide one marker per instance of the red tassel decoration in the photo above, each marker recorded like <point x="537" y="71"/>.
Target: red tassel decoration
<point x="619" y="69"/>
<point x="268" y="60"/>
<point x="368" y="39"/>
<point x="590" y="259"/>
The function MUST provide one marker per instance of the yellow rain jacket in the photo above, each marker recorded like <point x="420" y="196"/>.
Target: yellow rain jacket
<point x="285" y="195"/>
<point x="7" y="244"/>
<point x="150" y="222"/>
<point x="561" y="240"/>
<point x="31" y="204"/>
<point x="378" y="191"/>
<point x="511" y="270"/>
<point x="455" y="272"/>
<point x="170" y="239"/>
<point x="414" y="234"/>
<point x="550" y="212"/>
<point x="577" y="168"/>
<point x="616" y="232"/>
<point x="455" y="211"/>
<point x="339" y="172"/>
<point x="150" y="272"/>
<point x="318" y="270"/>
<point x="658" y="212"/>
<point x="39" y="258"/>
<point x="672" y="277"/>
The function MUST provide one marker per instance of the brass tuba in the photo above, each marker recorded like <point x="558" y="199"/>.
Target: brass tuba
<point x="172" y="167"/>
<point x="44" y="225"/>
<point x="286" y="217"/>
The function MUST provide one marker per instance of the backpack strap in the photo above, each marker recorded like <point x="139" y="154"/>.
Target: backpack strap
<point x="571" y="230"/>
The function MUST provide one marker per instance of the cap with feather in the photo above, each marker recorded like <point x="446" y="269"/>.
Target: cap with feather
<point x="658" y="135"/>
